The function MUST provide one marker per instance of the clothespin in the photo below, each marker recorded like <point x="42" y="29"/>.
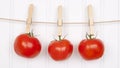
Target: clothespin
<point x="29" y="19"/>
<point x="91" y="22"/>
<point x="60" y="21"/>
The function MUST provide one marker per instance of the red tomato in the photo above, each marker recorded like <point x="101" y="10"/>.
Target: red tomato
<point x="91" y="49"/>
<point x="60" y="50"/>
<point x="27" y="46"/>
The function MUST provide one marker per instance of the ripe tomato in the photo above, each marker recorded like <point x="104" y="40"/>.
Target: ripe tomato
<point x="91" y="49"/>
<point x="27" y="46"/>
<point x="60" y="49"/>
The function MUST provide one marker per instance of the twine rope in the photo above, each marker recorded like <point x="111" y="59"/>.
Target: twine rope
<point x="16" y="20"/>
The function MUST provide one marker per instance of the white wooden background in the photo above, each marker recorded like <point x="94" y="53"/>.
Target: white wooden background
<point x="46" y="10"/>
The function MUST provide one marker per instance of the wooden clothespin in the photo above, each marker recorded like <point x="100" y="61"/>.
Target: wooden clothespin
<point x="91" y="22"/>
<point x="29" y="19"/>
<point x="60" y="21"/>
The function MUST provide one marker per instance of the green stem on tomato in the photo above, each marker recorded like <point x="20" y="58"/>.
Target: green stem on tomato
<point x="90" y="36"/>
<point x="31" y="34"/>
<point x="59" y="37"/>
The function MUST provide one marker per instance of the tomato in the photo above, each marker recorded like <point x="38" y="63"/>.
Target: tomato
<point x="27" y="46"/>
<point x="60" y="49"/>
<point x="91" y="49"/>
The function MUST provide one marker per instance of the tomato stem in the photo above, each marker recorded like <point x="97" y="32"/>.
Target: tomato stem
<point x="90" y="36"/>
<point x="31" y="34"/>
<point x="60" y="37"/>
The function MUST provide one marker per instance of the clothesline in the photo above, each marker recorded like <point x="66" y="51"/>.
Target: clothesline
<point x="16" y="20"/>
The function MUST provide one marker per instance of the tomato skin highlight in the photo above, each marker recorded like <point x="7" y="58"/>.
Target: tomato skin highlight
<point x="60" y="50"/>
<point x="27" y="46"/>
<point x="91" y="49"/>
